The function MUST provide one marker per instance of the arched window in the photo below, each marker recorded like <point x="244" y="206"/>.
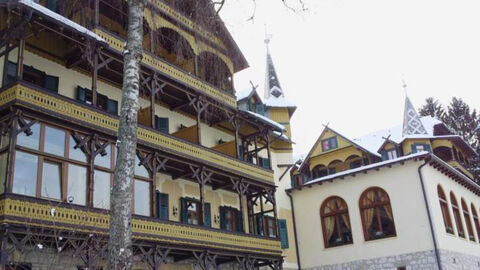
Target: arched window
<point x="444" y="207"/>
<point x="476" y="221"/>
<point x="335" y="222"/>
<point x="456" y="215"/>
<point x="377" y="215"/>
<point x="466" y="216"/>
<point x="335" y="166"/>
<point x="319" y="171"/>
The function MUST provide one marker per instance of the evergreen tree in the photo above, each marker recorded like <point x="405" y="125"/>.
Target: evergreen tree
<point x="433" y="108"/>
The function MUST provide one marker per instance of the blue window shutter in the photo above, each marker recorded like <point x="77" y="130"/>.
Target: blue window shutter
<point x="240" y="152"/>
<point x="239" y="221"/>
<point x="162" y="205"/>
<point x="428" y="147"/>
<point x="223" y="218"/>
<point x="261" y="109"/>
<point x="384" y="155"/>
<point x="183" y="210"/>
<point x="81" y="93"/>
<point x="292" y="180"/>
<point x="11" y="72"/>
<point x="414" y="148"/>
<point x="259" y="221"/>
<point x="112" y="106"/>
<point x="283" y="232"/>
<point x="161" y="124"/>
<point x="51" y="83"/>
<point x="249" y="103"/>
<point x="207" y="219"/>
<point x="52" y="5"/>
<point x="333" y="143"/>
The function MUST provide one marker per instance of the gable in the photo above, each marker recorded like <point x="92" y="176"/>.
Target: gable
<point x="327" y="134"/>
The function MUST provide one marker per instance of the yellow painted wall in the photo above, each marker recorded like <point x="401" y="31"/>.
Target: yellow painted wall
<point x="342" y="143"/>
<point x="407" y="144"/>
<point x="342" y="154"/>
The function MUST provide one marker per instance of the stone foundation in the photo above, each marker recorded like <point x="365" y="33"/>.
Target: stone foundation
<point x="412" y="261"/>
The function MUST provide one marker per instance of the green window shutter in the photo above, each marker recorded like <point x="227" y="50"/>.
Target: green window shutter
<point x="162" y="205"/>
<point x="183" y="210"/>
<point x="240" y="152"/>
<point x="112" y="106"/>
<point x="81" y="93"/>
<point x="249" y="104"/>
<point x="11" y="73"/>
<point x="161" y="124"/>
<point x="51" y="83"/>
<point x="264" y="162"/>
<point x="239" y="221"/>
<point x="223" y="218"/>
<point x="258" y="220"/>
<point x="283" y="232"/>
<point x="292" y="180"/>
<point x="207" y="216"/>
<point x="384" y="155"/>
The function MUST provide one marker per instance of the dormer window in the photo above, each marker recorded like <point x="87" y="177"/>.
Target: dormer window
<point x="329" y="144"/>
<point x="419" y="147"/>
<point x="392" y="154"/>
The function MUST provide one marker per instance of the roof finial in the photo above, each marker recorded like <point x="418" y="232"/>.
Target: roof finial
<point x="267" y="37"/>
<point x="404" y="85"/>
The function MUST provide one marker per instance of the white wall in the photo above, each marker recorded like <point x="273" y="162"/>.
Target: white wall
<point x="447" y="241"/>
<point x="402" y="184"/>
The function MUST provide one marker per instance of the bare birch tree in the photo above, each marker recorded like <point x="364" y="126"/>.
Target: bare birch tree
<point x="120" y="240"/>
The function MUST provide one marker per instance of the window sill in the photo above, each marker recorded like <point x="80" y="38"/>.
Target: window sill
<point x="376" y="240"/>
<point x="338" y="246"/>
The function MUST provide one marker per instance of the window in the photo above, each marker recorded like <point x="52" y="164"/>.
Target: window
<point x="30" y="141"/>
<point x="335" y="222"/>
<point x="54" y="141"/>
<point x="162" y="205"/>
<point x="476" y="221"/>
<point x="271" y="227"/>
<point x="283" y="232"/>
<point x="101" y="189"/>
<point x="105" y="160"/>
<point x="264" y="162"/>
<point x="468" y="222"/>
<point x="161" y="124"/>
<point x="444" y="208"/>
<point x="230" y="219"/>
<point x="103" y="102"/>
<point x="456" y="215"/>
<point x="142" y="197"/>
<point x="77" y="184"/>
<point x="32" y="75"/>
<point x="190" y="211"/>
<point x="25" y="173"/>
<point x="319" y="171"/>
<point x="419" y="147"/>
<point x="51" y="180"/>
<point x="329" y="144"/>
<point x="376" y="214"/>
<point x="392" y="154"/>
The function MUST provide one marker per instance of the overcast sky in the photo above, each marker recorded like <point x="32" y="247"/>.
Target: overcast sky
<point x="342" y="61"/>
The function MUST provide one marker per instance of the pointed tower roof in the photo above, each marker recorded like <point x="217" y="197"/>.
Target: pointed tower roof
<point x="412" y="125"/>
<point x="274" y="95"/>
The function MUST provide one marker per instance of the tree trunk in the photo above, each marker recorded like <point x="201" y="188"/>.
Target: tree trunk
<point x="120" y="240"/>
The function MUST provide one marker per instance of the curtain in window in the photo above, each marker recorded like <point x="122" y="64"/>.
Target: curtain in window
<point x="329" y="226"/>
<point x="369" y="212"/>
<point x="388" y="211"/>
<point x="346" y="221"/>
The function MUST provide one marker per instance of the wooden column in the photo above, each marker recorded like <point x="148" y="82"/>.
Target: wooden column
<point x="91" y="173"/>
<point x="94" y="78"/>
<point x="267" y="139"/>
<point x="10" y="158"/>
<point x="97" y="13"/>
<point x="21" y="50"/>
<point x="195" y="62"/>
<point x="5" y="63"/>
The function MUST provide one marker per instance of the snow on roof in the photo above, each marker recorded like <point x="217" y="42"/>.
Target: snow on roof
<point x="280" y="101"/>
<point x="55" y="16"/>
<point x="266" y="119"/>
<point x="367" y="167"/>
<point x="373" y="141"/>
<point x="244" y="93"/>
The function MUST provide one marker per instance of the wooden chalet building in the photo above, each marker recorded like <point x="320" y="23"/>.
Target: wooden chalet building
<point x="204" y="189"/>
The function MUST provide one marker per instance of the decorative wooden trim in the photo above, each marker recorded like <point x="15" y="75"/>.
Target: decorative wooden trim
<point x="61" y="106"/>
<point x="28" y="211"/>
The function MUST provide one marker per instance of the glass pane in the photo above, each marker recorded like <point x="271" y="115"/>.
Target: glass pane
<point x="31" y="141"/>
<point x="76" y="154"/>
<point x="104" y="161"/>
<point x="101" y="190"/>
<point x="25" y="174"/>
<point x="140" y="170"/>
<point x="51" y="180"/>
<point x="142" y="198"/>
<point x="5" y="140"/>
<point x="3" y="171"/>
<point x="54" y="141"/>
<point x="77" y="184"/>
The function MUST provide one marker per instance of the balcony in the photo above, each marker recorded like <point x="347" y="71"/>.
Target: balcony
<point x="65" y="108"/>
<point x="31" y="212"/>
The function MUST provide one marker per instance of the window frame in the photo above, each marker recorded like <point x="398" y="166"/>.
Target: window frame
<point x="377" y="216"/>
<point x="476" y="220"/>
<point x="337" y="214"/>
<point x="329" y="141"/>
<point x="457" y="215"/>
<point x="447" y="219"/>
<point x="468" y="221"/>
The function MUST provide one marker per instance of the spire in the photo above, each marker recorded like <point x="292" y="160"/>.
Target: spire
<point x="411" y="121"/>
<point x="272" y="84"/>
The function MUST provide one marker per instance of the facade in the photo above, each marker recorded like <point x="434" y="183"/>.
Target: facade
<point x="277" y="107"/>
<point x="206" y="171"/>
<point x="400" y="198"/>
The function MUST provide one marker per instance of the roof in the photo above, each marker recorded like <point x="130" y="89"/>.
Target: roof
<point x="281" y="101"/>
<point x="59" y="18"/>
<point x="432" y="160"/>
<point x="263" y="119"/>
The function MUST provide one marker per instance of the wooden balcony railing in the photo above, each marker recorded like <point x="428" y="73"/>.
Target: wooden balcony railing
<point x="27" y="211"/>
<point x="63" y="107"/>
<point x="172" y="71"/>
